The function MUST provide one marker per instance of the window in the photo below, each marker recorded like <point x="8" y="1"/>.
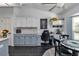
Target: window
<point x="75" y="27"/>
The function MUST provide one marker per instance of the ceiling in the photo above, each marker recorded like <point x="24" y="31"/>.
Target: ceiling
<point x="10" y="4"/>
<point x="51" y="7"/>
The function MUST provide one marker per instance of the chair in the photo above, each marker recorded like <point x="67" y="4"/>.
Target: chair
<point x="63" y="49"/>
<point x="60" y="49"/>
<point x="45" y="36"/>
<point x="64" y="36"/>
<point x="55" y="45"/>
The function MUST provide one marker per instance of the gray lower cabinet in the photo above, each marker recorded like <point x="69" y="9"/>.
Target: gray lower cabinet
<point x="4" y="48"/>
<point x="26" y="40"/>
<point x="39" y="40"/>
<point x="21" y="41"/>
<point x="16" y="40"/>
<point x="34" y="40"/>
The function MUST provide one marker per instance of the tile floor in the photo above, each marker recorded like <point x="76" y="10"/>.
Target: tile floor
<point x="28" y="50"/>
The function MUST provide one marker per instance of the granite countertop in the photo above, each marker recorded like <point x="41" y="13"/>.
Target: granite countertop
<point x="2" y="39"/>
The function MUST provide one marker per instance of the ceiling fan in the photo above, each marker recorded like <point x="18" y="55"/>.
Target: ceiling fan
<point x="59" y="5"/>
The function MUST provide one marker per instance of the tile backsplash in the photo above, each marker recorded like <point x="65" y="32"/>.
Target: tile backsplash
<point x="27" y="30"/>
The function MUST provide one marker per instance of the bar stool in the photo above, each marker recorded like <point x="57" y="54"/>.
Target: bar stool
<point x="64" y="36"/>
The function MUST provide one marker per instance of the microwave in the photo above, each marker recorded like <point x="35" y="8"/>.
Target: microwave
<point x="18" y="30"/>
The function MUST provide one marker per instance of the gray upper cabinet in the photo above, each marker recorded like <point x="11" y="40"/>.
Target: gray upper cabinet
<point x="26" y="40"/>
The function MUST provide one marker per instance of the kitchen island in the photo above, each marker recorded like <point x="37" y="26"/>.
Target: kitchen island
<point x="4" y="47"/>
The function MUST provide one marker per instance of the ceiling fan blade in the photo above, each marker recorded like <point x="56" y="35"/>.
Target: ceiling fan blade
<point x="59" y="5"/>
<point x="52" y="8"/>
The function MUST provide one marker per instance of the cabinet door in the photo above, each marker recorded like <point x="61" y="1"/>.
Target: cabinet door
<point x="27" y="41"/>
<point x="38" y="40"/>
<point x="20" y="22"/>
<point x="30" y="41"/>
<point x="34" y="40"/>
<point x="16" y="40"/>
<point x="34" y="22"/>
<point x="24" y="22"/>
<point x="21" y="41"/>
<point x="17" y="22"/>
<point x="28" y="22"/>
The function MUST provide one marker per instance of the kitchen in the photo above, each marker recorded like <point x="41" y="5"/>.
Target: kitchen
<point x="24" y="27"/>
<point x="23" y="23"/>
